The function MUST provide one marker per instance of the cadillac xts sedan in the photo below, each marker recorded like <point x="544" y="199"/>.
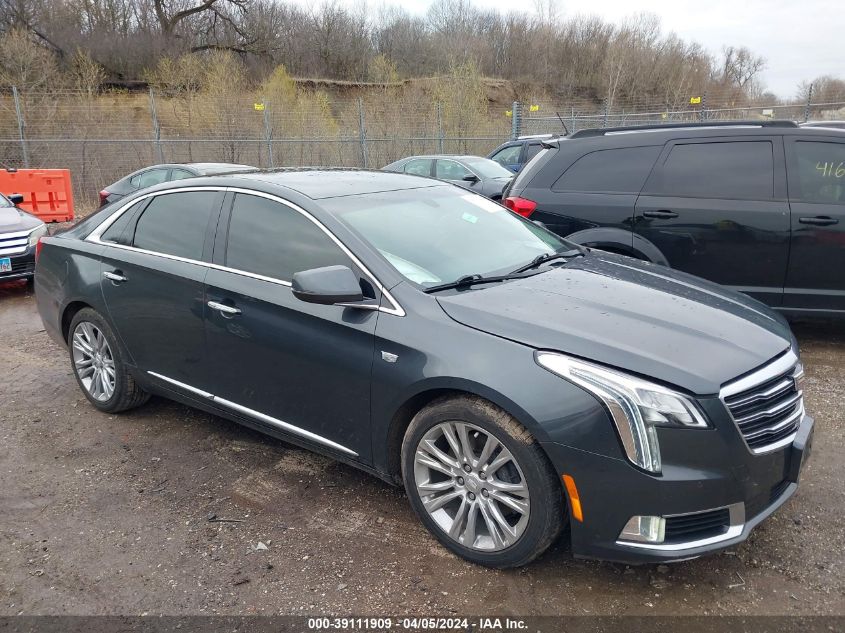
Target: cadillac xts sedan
<point x="513" y="382"/>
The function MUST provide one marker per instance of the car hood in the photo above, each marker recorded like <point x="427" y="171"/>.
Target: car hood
<point x="13" y="219"/>
<point x="639" y="317"/>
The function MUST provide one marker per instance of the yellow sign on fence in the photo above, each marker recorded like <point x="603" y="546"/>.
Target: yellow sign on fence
<point x="695" y="100"/>
<point x="534" y="108"/>
<point x="508" y="113"/>
<point x="259" y="107"/>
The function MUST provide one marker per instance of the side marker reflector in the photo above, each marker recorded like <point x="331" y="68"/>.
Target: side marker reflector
<point x="574" y="499"/>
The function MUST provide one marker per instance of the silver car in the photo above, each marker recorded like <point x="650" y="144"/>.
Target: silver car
<point x="475" y="173"/>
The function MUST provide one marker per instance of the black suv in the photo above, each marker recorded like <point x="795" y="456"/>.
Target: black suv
<point x="756" y="206"/>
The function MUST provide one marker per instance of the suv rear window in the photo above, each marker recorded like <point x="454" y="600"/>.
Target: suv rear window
<point x="621" y="170"/>
<point x="727" y="170"/>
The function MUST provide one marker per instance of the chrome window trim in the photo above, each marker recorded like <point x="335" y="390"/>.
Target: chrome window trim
<point x="737" y="525"/>
<point x="281" y="424"/>
<point x="95" y="237"/>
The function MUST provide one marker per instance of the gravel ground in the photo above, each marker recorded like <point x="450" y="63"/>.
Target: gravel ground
<point x="105" y="514"/>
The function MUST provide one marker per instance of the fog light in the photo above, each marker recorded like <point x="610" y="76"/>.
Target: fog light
<point x="644" y="530"/>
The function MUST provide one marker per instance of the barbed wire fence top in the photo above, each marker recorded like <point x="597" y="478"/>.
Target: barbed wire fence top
<point x="101" y="137"/>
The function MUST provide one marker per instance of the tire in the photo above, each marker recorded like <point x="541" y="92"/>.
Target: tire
<point x="94" y="348"/>
<point x="531" y="482"/>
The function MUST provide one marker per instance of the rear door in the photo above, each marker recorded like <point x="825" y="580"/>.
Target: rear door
<point x="717" y="208"/>
<point x="816" y="276"/>
<point x="419" y="167"/>
<point x="152" y="276"/>
<point x="290" y="366"/>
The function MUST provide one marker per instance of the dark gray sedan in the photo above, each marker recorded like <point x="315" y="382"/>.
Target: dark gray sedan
<point x="512" y="382"/>
<point x="475" y="173"/>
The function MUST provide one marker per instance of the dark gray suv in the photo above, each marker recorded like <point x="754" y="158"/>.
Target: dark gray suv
<point x="512" y="381"/>
<point x="756" y="206"/>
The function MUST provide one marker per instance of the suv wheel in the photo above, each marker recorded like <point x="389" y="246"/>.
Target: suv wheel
<point x="98" y="364"/>
<point x="480" y="482"/>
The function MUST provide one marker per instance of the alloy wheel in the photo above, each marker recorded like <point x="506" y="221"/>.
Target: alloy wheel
<point x="471" y="486"/>
<point x="93" y="361"/>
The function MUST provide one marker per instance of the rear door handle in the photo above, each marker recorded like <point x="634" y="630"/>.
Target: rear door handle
<point x="819" y="220"/>
<point x="115" y="275"/>
<point x="662" y="214"/>
<point x="222" y="308"/>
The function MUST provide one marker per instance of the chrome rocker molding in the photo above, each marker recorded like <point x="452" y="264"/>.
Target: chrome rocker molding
<point x="96" y="234"/>
<point x="234" y="406"/>
<point x="737" y="525"/>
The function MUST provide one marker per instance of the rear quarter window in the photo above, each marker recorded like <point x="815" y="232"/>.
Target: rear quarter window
<point x="622" y="170"/>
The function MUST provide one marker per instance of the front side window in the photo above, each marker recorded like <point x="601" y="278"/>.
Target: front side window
<point x="149" y="178"/>
<point x="733" y="170"/>
<point x="613" y="170"/>
<point x="444" y="235"/>
<point x="271" y="239"/>
<point x="175" y="223"/>
<point x="820" y="167"/>
<point x="450" y="170"/>
<point x="418" y="167"/>
<point x="507" y="155"/>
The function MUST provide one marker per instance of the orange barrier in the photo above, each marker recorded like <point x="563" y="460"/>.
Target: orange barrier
<point x="46" y="193"/>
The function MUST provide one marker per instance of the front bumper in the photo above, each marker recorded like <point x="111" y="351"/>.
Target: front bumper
<point x="745" y="489"/>
<point x="23" y="266"/>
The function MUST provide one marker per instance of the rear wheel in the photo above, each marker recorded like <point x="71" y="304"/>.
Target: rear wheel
<point x="98" y="364"/>
<point x="480" y="483"/>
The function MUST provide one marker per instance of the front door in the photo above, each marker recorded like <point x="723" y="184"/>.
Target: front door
<point x="717" y="208"/>
<point x="152" y="276"/>
<point x="816" y="277"/>
<point x="289" y="366"/>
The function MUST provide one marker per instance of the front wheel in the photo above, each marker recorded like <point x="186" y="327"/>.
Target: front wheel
<point x="480" y="483"/>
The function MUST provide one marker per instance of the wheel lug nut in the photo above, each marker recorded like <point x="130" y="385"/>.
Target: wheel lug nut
<point x="467" y="468"/>
<point x="471" y="497"/>
<point x="484" y="493"/>
<point x="481" y="475"/>
<point x="460" y="481"/>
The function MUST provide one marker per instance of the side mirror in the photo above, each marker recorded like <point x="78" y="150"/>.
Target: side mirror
<point x="15" y="198"/>
<point x="329" y="285"/>
<point x="470" y="178"/>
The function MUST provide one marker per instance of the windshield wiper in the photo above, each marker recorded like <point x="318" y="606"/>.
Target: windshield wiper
<point x="471" y="280"/>
<point x="547" y="257"/>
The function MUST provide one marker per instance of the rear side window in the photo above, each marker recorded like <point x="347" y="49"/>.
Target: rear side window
<point x="418" y="166"/>
<point x="734" y="170"/>
<point x="117" y="232"/>
<point x="271" y="239"/>
<point x="175" y="224"/>
<point x="820" y="168"/>
<point x="149" y="178"/>
<point x="508" y="155"/>
<point x="180" y="174"/>
<point x="615" y="170"/>
<point x="532" y="150"/>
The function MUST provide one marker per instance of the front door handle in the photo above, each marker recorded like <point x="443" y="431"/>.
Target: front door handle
<point x="662" y="214"/>
<point x="115" y="275"/>
<point x="819" y="220"/>
<point x="222" y="308"/>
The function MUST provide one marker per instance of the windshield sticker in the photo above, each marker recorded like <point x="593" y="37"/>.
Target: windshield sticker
<point x="469" y="218"/>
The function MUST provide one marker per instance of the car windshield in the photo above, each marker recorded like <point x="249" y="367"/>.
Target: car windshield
<point x="5" y="202"/>
<point x="439" y="234"/>
<point x="487" y="168"/>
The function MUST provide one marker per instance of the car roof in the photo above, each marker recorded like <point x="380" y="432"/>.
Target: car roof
<point x="320" y="182"/>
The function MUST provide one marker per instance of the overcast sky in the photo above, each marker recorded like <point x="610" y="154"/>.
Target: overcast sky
<point x="799" y="39"/>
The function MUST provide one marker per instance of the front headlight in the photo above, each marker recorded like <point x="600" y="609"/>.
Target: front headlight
<point x="636" y="406"/>
<point x="36" y="234"/>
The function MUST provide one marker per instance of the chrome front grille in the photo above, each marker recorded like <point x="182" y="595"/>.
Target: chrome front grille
<point x="13" y="243"/>
<point x="768" y="405"/>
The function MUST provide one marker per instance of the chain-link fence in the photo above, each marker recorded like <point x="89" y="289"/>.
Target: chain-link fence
<point x="102" y="137"/>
